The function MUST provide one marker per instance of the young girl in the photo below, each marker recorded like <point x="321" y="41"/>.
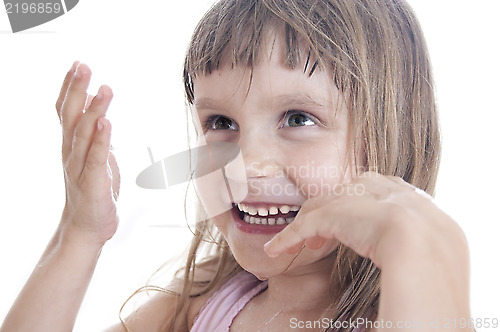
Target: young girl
<point x="332" y="106"/>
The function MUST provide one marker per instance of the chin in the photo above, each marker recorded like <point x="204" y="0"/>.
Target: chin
<point x="307" y="261"/>
<point x="262" y="266"/>
<point x="247" y="245"/>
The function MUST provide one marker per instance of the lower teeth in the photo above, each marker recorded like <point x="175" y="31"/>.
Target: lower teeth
<point x="267" y="221"/>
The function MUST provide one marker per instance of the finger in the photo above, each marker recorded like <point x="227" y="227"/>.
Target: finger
<point x="380" y="187"/>
<point x="316" y="202"/>
<point x="113" y="165"/>
<point x="73" y="105"/>
<point x="401" y="183"/>
<point x="294" y="235"/>
<point x="349" y="222"/>
<point x="348" y="218"/>
<point x="315" y="242"/>
<point x="84" y="131"/>
<point x="64" y="88"/>
<point x="293" y="250"/>
<point x="97" y="160"/>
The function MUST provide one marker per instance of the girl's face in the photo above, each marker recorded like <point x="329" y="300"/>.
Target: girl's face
<point x="292" y="130"/>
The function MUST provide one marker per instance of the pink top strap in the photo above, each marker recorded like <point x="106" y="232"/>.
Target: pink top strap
<point x="220" y="310"/>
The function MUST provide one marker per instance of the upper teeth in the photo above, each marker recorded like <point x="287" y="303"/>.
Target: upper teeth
<point x="262" y="211"/>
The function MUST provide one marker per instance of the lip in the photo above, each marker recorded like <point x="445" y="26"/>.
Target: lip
<point x="278" y="201"/>
<point x="254" y="228"/>
<point x="267" y="205"/>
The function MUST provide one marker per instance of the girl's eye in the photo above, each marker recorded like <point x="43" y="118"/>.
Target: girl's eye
<point x="219" y="122"/>
<point x="297" y="119"/>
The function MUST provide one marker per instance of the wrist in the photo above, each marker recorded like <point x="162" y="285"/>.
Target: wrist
<point x="426" y="261"/>
<point x="71" y="238"/>
<point x="73" y="232"/>
<point x="417" y="239"/>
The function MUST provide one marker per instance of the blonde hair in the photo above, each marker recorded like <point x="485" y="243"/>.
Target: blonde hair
<point x="377" y="57"/>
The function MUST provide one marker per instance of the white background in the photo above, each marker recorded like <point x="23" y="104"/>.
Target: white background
<point x="137" y="48"/>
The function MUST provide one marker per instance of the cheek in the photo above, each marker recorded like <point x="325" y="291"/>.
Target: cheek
<point x="220" y="186"/>
<point x="213" y="193"/>
<point x="319" y="174"/>
<point x="221" y="222"/>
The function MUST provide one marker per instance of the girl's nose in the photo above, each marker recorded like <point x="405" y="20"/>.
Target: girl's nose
<point x="260" y="154"/>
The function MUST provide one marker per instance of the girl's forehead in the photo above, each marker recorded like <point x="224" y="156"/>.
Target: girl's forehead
<point x="269" y="81"/>
<point x="272" y="46"/>
<point x="270" y="68"/>
<point x="269" y="78"/>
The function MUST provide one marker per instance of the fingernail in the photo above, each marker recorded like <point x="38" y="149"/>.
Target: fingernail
<point x="78" y="71"/>
<point x="268" y="251"/>
<point x="99" y="94"/>
<point x="74" y="66"/>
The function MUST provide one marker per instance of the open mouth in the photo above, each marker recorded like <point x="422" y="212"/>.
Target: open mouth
<point x="267" y="214"/>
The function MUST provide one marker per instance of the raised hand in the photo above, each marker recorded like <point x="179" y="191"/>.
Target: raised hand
<point x="54" y="292"/>
<point x="373" y="212"/>
<point x="90" y="170"/>
<point x="421" y="251"/>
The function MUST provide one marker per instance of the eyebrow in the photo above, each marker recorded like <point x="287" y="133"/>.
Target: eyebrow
<point x="296" y="100"/>
<point x="207" y="103"/>
<point x="281" y="101"/>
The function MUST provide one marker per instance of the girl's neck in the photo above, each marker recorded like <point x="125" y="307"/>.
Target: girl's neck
<point x="299" y="293"/>
<point x="302" y="288"/>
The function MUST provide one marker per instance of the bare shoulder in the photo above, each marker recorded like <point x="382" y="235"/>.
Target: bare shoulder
<point x="152" y="315"/>
<point x="202" y="275"/>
